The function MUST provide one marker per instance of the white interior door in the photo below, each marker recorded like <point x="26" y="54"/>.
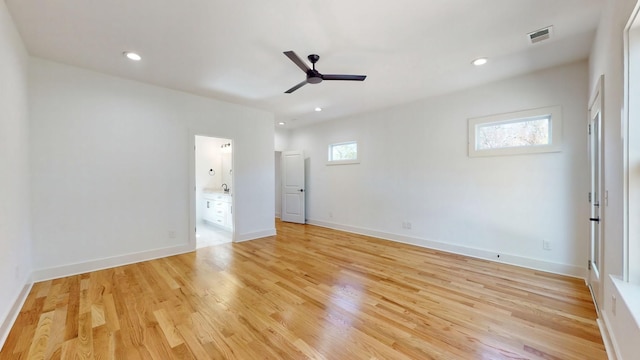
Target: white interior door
<point x="293" y="194"/>
<point x="595" y="197"/>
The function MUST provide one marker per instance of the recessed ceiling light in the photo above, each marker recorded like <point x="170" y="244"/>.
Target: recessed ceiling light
<point x="282" y="123"/>
<point x="132" y="56"/>
<point x="318" y="109"/>
<point x="479" y="61"/>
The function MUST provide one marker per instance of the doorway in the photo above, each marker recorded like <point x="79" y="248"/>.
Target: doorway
<point x="214" y="191"/>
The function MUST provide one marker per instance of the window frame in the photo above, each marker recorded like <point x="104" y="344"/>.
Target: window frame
<point x="555" y="129"/>
<point x="343" y="162"/>
<point x="631" y="158"/>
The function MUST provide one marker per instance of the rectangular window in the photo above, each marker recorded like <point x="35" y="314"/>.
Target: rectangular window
<point x="343" y="153"/>
<point x="522" y="132"/>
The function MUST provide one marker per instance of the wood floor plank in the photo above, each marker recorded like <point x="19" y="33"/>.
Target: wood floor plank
<point x="168" y="328"/>
<point x="103" y="343"/>
<point x="73" y="308"/>
<point x="85" y="337"/>
<point x="57" y="332"/>
<point x="41" y="337"/>
<point x="309" y="293"/>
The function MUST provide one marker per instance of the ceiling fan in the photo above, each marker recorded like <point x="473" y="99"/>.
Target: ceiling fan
<point x="313" y="76"/>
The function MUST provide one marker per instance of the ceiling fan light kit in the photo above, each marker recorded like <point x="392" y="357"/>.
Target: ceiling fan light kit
<point x="313" y="75"/>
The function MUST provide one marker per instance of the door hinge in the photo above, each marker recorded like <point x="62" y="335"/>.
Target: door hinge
<point x="589" y="264"/>
<point x="589" y="197"/>
<point x="589" y="127"/>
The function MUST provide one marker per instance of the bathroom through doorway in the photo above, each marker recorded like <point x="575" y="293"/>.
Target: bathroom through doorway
<point x="214" y="191"/>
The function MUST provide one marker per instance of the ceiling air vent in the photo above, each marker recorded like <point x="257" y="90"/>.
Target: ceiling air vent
<point x="540" y="35"/>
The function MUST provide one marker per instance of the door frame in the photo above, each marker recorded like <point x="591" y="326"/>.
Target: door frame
<point x="192" y="185"/>
<point x="597" y="197"/>
<point x="278" y="183"/>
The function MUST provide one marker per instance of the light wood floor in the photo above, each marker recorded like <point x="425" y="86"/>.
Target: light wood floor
<point x="309" y="293"/>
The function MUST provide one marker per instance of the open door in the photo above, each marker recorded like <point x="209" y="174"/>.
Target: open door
<point x="293" y="194"/>
<point x="595" y="196"/>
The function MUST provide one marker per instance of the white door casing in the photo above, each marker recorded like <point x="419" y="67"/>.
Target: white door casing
<point x="293" y="189"/>
<point x="595" y="195"/>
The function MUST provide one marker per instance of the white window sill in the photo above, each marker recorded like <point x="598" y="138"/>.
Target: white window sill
<point x="630" y="294"/>
<point x="343" y="162"/>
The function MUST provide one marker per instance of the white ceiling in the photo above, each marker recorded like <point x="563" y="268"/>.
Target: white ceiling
<point x="233" y="50"/>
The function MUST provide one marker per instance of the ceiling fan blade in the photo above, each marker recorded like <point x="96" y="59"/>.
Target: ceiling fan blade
<point x="344" y="77"/>
<point x="296" y="59"/>
<point x="296" y="87"/>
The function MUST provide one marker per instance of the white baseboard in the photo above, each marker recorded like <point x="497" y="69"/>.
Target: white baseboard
<point x="254" y="235"/>
<point x="609" y="342"/>
<point x="104" y="263"/>
<point x="7" y="323"/>
<point x="563" y="269"/>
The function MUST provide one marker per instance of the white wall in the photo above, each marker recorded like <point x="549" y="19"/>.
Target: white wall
<point x="607" y="58"/>
<point x="110" y="164"/>
<point x="414" y="167"/>
<point x="281" y="139"/>
<point x="15" y="236"/>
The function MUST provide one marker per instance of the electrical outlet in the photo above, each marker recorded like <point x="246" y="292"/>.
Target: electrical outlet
<point x="330" y="215"/>
<point x="408" y="225"/>
<point x="172" y="234"/>
<point x="546" y="244"/>
<point x="613" y="304"/>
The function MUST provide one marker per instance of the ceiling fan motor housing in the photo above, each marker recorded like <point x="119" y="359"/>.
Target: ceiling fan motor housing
<point x="314" y="77"/>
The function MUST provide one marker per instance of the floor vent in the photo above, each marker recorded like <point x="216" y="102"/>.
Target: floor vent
<point x="540" y="35"/>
